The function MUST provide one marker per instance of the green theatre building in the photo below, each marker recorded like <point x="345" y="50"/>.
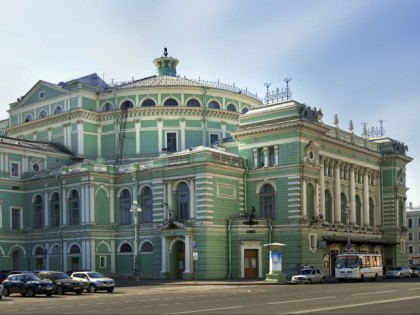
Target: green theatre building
<point x="216" y="171"/>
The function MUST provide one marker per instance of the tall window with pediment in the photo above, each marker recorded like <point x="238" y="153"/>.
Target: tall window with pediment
<point x="358" y="211"/>
<point x="38" y="212"/>
<point x="371" y="212"/>
<point x="55" y="209"/>
<point x="267" y="198"/>
<point x="310" y="200"/>
<point x="125" y="206"/>
<point x="344" y="213"/>
<point x="183" y="201"/>
<point x="74" y="207"/>
<point x="328" y="207"/>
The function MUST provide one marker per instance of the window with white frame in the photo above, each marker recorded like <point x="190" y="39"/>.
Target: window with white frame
<point x="214" y="138"/>
<point x="41" y="95"/>
<point x="74" y="207"/>
<point x="410" y="223"/>
<point x="38" y="212"/>
<point x="183" y="201"/>
<point x="16" y="219"/>
<point x="312" y="242"/>
<point x="102" y="261"/>
<point x="146" y="198"/>
<point x="171" y="141"/>
<point x="125" y="206"/>
<point x="55" y="209"/>
<point x="410" y="249"/>
<point x="267" y="198"/>
<point x="14" y="169"/>
<point x="410" y="236"/>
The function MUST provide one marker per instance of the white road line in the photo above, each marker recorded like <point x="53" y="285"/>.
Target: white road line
<point x="413" y="289"/>
<point x="293" y="301"/>
<point x="379" y="292"/>
<point x="353" y="305"/>
<point x="206" y="310"/>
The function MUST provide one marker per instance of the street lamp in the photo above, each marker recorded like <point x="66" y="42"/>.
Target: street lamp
<point x="348" y="245"/>
<point x="135" y="210"/>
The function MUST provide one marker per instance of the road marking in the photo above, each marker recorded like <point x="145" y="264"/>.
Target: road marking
<point x="353" y="305"/>
<point x="206" y="310"/>
<point x="292" y="301"/>
<point x="379" y="292"/>
<point x="414" y="289"/>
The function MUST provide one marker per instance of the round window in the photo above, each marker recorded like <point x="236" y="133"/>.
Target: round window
<point x="35" y="167"/>
<point x="311" y="155"/>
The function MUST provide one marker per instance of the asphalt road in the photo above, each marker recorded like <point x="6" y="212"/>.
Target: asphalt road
<point x="370" y="297"/>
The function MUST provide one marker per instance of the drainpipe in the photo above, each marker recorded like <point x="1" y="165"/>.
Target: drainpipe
<point x="229" y="230"/>
<point x="60" y="230"/>
<point x="205" y="117"/>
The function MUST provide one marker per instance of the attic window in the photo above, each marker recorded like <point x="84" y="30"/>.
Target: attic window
<point x="41" y="95"/>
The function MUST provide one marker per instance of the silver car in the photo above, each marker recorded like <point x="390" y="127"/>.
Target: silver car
<point x="94" y="281"/>
<point x="399" y="272"/>
<point x="308" y="276"/>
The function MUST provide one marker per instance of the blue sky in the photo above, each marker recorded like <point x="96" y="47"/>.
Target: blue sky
<point x="357" y="59"/>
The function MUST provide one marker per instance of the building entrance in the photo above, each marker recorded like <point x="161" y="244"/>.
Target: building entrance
<point x="250" y="263"/>
<point x="180" y="260"/>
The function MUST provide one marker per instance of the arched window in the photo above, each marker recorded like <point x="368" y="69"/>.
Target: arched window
<point x="126" y="248"/>
<point x="43" y="114"/>
<point x="183" y="201"/>
<point x="55" y="209"/>
<point x="146" y="205"/>
<point x="358" y="211"/>
<point x="28" y="118"/>
<point x="328" y="207"/>
<point x="108" y="107"/>
<point x="310" y="200"/>
<point x="171" y="102"/>
<point x="231" y="108"/>
<point x="125" y="204"/>
<point x="401" y="214"/>
<point x="39" y="251"/>
<point x="75" y="249"/>
<point x="244" y="110"/>
<point x="267" y="201"/>
<point x="58" y="110"/>
<point x="214" y="105"/>
<point x="38" y="212"/>
<point x="127" y="104"/>
<point x="74" y="207"/>
<point x="148" y="103"/>
<point x="193" y="103"/>
<point x="146" y="247"/>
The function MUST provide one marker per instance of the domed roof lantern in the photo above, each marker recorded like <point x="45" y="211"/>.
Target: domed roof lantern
<point x="166" y="65"/>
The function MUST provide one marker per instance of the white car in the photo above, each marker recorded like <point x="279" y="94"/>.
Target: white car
<point x="94" y="281"/>
<point x="308" y="276"/>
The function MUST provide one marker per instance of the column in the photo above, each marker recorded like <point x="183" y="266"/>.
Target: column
<point x="111" y="204"/>
<point x="83" y="210"/>
<point x="322" y="184"/>
<point x="255" y="155"/>
<point x="91" y="210"/>
<point x="352" y="196"/>
<point x="317" y="197"/>
<point x="160" y="127"/>
<point x="137" y="127"/>
<point x="337" y="199"/>
<point x="99" y="139"/>
<point x="304" y="199"/>
<point x="192" y="199"/>
<point x="50" y="134"/>
<point x="223" y="129"/>
<point x="64" y="207"/>
<point x="80" y="138"/>
<point x="188" y="251"/>
<point x="182" y="125"/>
<point x="276" y="155"/>
<point x="113" y="254"/>
<point x="266" y="157"/>
<point x="366" y="197"/>
<point x="164" y="254"/>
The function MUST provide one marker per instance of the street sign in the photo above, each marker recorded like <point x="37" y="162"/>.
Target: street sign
<point x="195" y="255"/>
<point x="194" y="245"/>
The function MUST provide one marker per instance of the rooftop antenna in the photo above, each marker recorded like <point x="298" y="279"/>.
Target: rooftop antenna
<point x="267" y="85"/>
<point x="381" y="128"/>
<point x="165" y="52"/>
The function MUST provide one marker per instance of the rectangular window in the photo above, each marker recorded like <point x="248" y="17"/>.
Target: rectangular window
<point x="418" y="222"/>
<point x="171" y="141"/>
<point x="102" y="261"/>
<point x="410" y="223"/>
<point x="261" y="157"/>
<point x="410" y="249"/>
<point x="16" y="219"/>
<point x="271" y="154"/>
<point x="41" y="95"/>
<point x="14" y="169"/>
<point x="213" y="138"/>
<point x="410" y="236"/>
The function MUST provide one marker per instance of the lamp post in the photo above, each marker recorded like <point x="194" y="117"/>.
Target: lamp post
<point x="135" y="210"/>
<point x="348" y="245"/>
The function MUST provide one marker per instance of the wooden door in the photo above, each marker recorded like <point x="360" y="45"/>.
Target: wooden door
<point x="250" y="263"/>
<point x="180" y="260"/>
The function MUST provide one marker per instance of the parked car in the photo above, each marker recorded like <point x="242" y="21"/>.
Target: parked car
<point x="309" y="275"/>
<point x="1" y="291"/>
<point x="94" y="281"/>
<point x="416" y="271"/>
<point x="26" y="285"/>
<point x="398" y="272"/>
<point x="62" y="282"/>
<point x="3" y="276"/>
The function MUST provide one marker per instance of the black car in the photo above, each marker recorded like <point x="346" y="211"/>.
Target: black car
<point x="62" y="282"/>
<point x="26" y="285"/>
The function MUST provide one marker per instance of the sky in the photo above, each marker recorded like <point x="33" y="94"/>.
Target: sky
<point x="358" y="59"/>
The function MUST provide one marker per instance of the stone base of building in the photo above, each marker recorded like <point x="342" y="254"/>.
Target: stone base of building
<point x="188" y="276"/>
<point x="275" y="277"/>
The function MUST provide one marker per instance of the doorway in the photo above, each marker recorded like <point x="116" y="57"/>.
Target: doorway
<point x="250" y="263"/>
<point x="180" y="259"/>
<point x="75" y="263"/>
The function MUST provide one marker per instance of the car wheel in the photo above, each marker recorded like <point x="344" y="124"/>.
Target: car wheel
<point x="48" y="293"/>
<point x="110" y="290"/>
<point x="6" y="291"/>
<point x="92" y="288"/>
<point x="30" y="292"/>
<point x="78" y="292"/>
<point x="322" y="280"/>
<point x="1" y="295"/>
<point x="400" y="276"/>
<point x="59" y="290"/>
<point x="308" y="281"/>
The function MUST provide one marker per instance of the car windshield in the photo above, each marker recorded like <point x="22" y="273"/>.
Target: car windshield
<point x="60" y="276"/>
<point x="348" y="262"/>
<point x="31" y="277"/>
<point x="395" y="268"/>
<point x="95" y="275"/>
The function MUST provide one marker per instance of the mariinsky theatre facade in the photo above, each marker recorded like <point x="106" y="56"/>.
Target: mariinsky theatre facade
<point x="216" y="171"/>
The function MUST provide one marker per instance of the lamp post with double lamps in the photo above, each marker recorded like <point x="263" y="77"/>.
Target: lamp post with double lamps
<point x="348" y="245"/>
<point x="135" y="210"/>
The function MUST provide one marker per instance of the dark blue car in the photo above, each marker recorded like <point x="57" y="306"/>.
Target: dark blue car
<point x="26" y="285"/>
